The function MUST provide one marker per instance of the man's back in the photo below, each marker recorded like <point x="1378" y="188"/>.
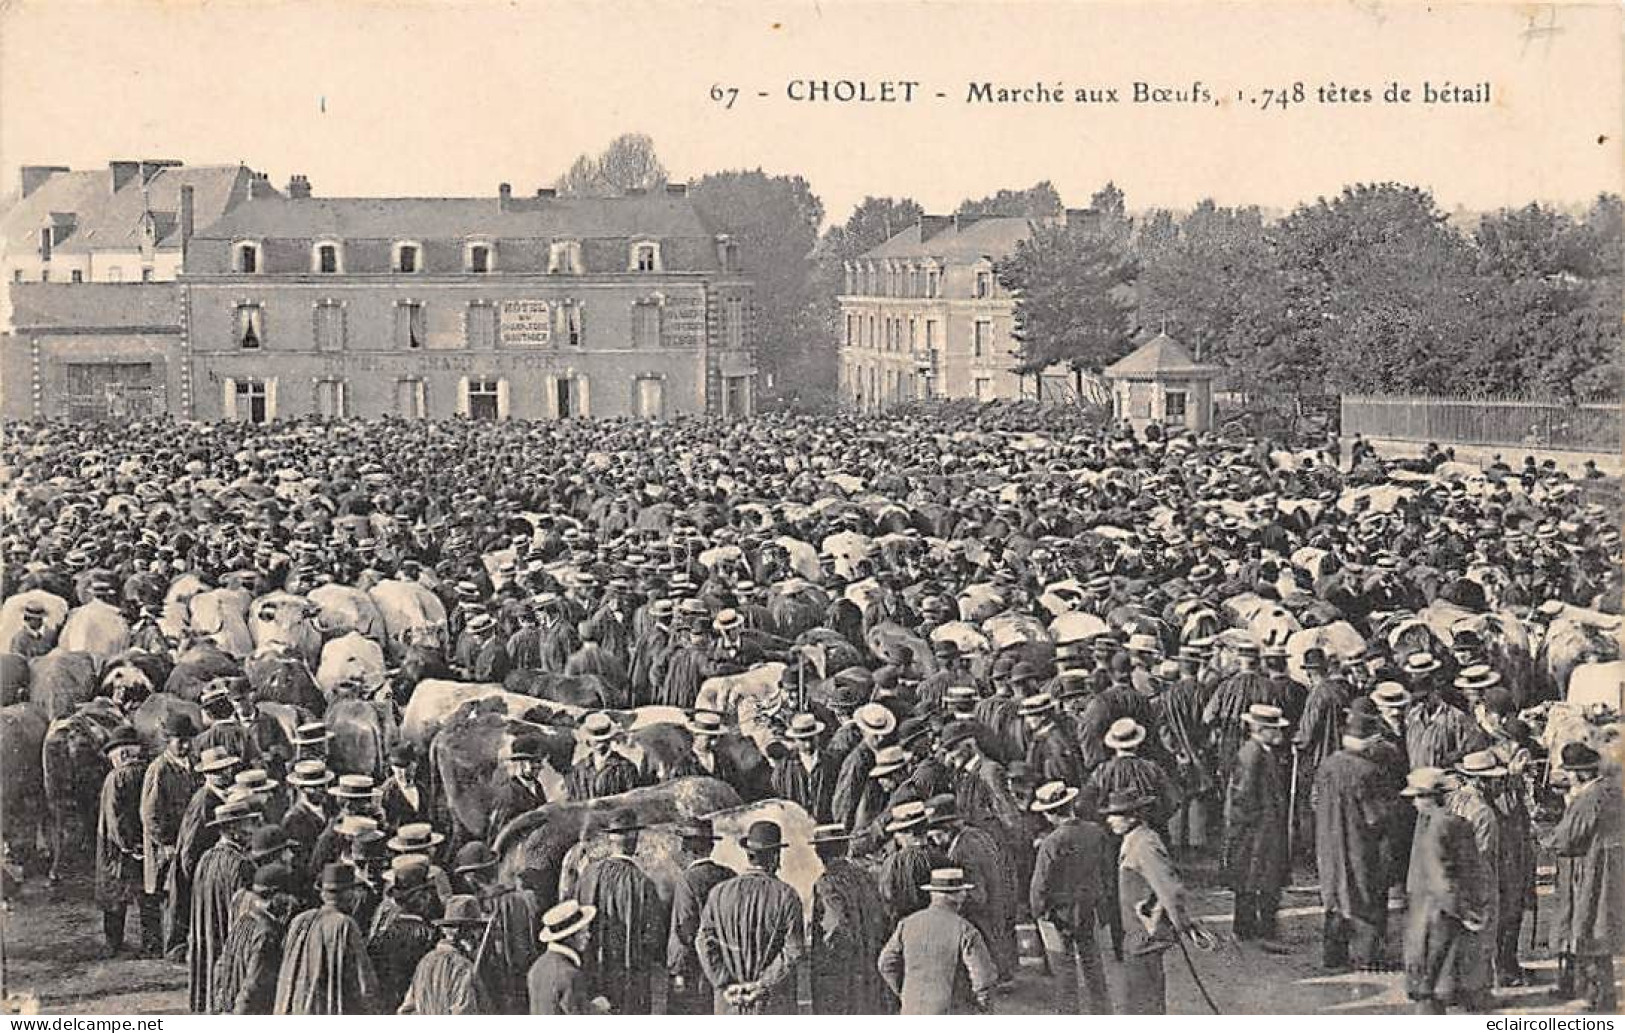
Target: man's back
<point x="937" y="963"/>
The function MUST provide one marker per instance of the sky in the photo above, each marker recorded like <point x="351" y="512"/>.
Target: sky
<point x="420" y="99"/>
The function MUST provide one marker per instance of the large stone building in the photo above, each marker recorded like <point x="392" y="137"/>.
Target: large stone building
<point x="524" y="307"/>
<point x="923" y="314"/>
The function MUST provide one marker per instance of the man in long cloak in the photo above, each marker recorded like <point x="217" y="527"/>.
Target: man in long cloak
<point x="447" y="980"/>
<point x="245" y="974"/>
<point x="1256" y="824"/>
<point x="1353" y="802"/>
<point x="908" y="867"/>
<point x="1588" y="928"/>
<point x="511" y="944"/>
<point x="848" y="928"/>
<point x="628" y="941"/>
<point x="225" y="869"/>
<point x="990" y="904"/>
<point x="750" y="937"/>
<point x="690" y="993"/>
<point x="325" y="966"/>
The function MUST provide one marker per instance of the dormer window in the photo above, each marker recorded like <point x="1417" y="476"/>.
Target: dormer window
<point x="408" y="257"/>
<point x="478" y="258"/>
<point x="246" y="257"/>
<point x="564" y="256"/>
<point x="645" y="257"/>
<point x="327" y="257"/>
<point x="984" y="284"/>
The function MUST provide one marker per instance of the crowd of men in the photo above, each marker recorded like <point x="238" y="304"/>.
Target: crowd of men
<point x="962" y="791"/>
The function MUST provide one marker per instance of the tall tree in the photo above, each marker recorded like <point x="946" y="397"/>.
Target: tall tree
<point x="628" y="163"/>
<point x="872" y="223"/>
<point x="1072" y="297"/>
<point x="775" y="219"/>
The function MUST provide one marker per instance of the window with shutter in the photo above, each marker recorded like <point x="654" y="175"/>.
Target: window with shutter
<point x="481" y="328"/>
<point x="329" y="326"/>
<point x="646" y="325"/>
<point x="411" y="325"/>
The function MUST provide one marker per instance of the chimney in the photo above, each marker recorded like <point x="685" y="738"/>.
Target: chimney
<point x="546" y="192"/>
<point x="504" y="192"/>
<point x="150" y="167"/>
<point x="965" y="221"/>
<point x="259" y="186"/>
<point x="188" y="216"/>
<point x="931" y="225"/>
<point x="124" y="172"/>
<point x="34" y="176"/>
<point x="677" y="189"/>
<point x="45" y="244"/>
<point x="299" y="187"/>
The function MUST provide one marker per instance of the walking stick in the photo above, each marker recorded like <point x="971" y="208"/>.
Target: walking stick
<point x="801" y="681"/>
<point x="1292" y="810"/>
<point x="1196" y="977"/>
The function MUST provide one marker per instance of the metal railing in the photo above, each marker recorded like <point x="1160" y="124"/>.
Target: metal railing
<point x="1577" y="426"/>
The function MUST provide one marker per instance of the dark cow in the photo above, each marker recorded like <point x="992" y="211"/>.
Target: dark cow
<point x="465" y="760"/>
<point x="13" y="679"/>
<point x="22" y="790"/>
<point x="60" y="680"/>
<point x="280" y="676"/>
<point x="664" y="744"/>
<point x="585" y="690"/>
<point x="73" y="769"/>
<point x="534" y="845"/>
<point x="196" y="667"/>
<point x="362" y="734"/>
<point x="148" y="719"/>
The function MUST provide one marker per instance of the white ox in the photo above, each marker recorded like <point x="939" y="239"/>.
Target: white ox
<point x="287" y="622"/>
<point x="11" y="611"/>
<point x="96" y="628"/>
<point x="350" y="659"/>
<point x="341" y="609"/>
<point x="220" y="615"/>
<point x="409" y="611"/>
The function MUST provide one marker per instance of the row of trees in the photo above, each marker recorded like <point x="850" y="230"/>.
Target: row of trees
<point x="1375" y="290"/>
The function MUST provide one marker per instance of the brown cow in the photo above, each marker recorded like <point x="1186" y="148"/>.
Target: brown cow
<point x="465" y="760"/>
<point x="22" y="790"/>
<point x="72" y="768"/>
<point x="61" y="680"/>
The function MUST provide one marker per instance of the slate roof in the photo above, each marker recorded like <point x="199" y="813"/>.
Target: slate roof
<point x="1160" y="355"/>
<point x="993" y="237"/>
<point x="654" y="215"/>
<point x="108" y="221"/>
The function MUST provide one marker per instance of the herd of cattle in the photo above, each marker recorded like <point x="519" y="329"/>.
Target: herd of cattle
<point x="354" y="658"/>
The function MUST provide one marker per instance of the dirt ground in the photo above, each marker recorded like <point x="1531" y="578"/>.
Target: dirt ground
<point x="53" y="943"/>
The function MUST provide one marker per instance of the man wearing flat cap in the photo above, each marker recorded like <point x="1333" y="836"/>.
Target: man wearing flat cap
<point x="628" y="946"/>
<point x="751" y="937"/>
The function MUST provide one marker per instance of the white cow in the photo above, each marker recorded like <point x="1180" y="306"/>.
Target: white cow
<point x="96" y="628"/>
<point x="11" y="611"/>
<point x="353" y="659"/>
<point x="220" y="615"/>
<point x="409" y="611"/>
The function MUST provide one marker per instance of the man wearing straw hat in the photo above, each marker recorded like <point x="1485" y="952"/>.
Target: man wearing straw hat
<point x="118" y="847"/>
<point x="1069" y="892"/>
<point x="197" y="832"/>
<point x="447" y="980"/>
<point x="1256" y="818"/>
<point x="629" y="934"/>
<point x="401" y="932"/>
<point x="605" y="771"/>
<point x="936" y="961"/>
<point x="750" y="940"/>
<point x="804" y="774"/>
<point x="557" y="983"/>
<point x="1446" y="913"/>
<point x="224" y="869"/>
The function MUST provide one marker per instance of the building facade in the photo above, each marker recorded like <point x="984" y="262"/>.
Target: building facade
<point x="491" y="308"/>
<point x="923" y="315"/>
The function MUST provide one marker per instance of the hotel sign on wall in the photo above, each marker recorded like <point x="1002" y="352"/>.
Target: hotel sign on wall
<point x="524" y="322"/>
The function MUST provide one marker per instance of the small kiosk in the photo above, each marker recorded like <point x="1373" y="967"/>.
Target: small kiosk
<point x="1160" y="383"/>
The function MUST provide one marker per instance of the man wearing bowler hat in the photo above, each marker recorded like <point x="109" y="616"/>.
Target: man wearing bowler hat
<point x="1151" y="901"/>
<point x="750" y="937"/>
<point x="165" y="792"/>
<point x="448" y="980"/>
<point x="1354" y="807"/>
<point x="629" y="934"/>
<point x="1447" y="911"/>
<point x="325" y="966"/>
<point x="1588" y="928"/>
<point x="689" y="993"/>
<point x="936" y="961"/>
<point x="522" y="792"/>
<point x="244" y="980"/>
